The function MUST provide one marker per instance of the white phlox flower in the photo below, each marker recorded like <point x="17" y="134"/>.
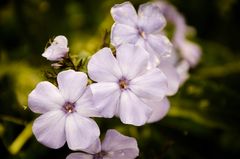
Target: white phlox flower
<point x="57" y="50"/>
<point x="189" y="51"/>
<point x="125" y="86"/>
<point x="114" y="146"/>
<point x="143" y="29"/>
<point x="65" y="112"/>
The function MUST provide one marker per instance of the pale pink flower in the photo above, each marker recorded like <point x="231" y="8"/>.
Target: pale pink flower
<point x="114" y="146"/>
<point x="143" y="29"/>
<point x="125" y="85"/>
<point x="57" y="50"/>
<point x="189" y="51"/>
<point x="65" y="112"/>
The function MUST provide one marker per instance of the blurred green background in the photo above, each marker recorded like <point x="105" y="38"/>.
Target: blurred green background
<point x="204" y="119"/>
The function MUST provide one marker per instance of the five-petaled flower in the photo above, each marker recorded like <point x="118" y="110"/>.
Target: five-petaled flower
<point x="114" y="146"/>
<point x="65" y="112"/>
<point x="142" y="29"/>
<point x="125" y="87"/>
<point x="57" y="50"/>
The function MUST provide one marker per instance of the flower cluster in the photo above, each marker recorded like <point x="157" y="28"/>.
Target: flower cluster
<point x="187" y="53"/>
<point x="131" y="81"/>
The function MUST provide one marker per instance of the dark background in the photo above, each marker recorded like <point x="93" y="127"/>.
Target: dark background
<point x="203" y="121"/>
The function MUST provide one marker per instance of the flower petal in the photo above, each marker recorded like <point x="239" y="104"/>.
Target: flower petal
<point x="94" y="148"/>
<point x="104" y="67"/>
<point x="172" y="75"/>
<point x="57" y="50"/>
<point x="151" y="85"/>
<point x="79" y="155"/>
<point x="153" y="61"/>
<point x="45" y="97"/>
<point x="133" y="60"/>
<point x="182" y="69"/>
<point x="119" y="146"/>
<point x="122" y="33"/>
<point x="158" y="45"/>
<point x="49" y="129"/>
<point x="61" y="40"/>
<point x="81" y="132"/>
<point x="191" y="52"/>
<point x="72" y="84"/>
<point x="175" y="18"/>
<point x="55" y="53"/>
<point x="132" y="110"/>
<point x="85" y="105"/>
<point x="124" y="13"/>
<point x="160" y="109"/>
<point x="106" y="97"/>
<point x="150" y="18"/>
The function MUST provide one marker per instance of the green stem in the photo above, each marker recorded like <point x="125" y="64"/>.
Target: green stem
<point x="13" y="119"/>
<point x="219" y="71"/>
<point x="22" y="138"/>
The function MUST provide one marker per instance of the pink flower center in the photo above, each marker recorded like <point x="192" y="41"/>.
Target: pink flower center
<point x="142" y="33"/>
<point x="69" y="107"/>
<point x="123" y="84"/>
